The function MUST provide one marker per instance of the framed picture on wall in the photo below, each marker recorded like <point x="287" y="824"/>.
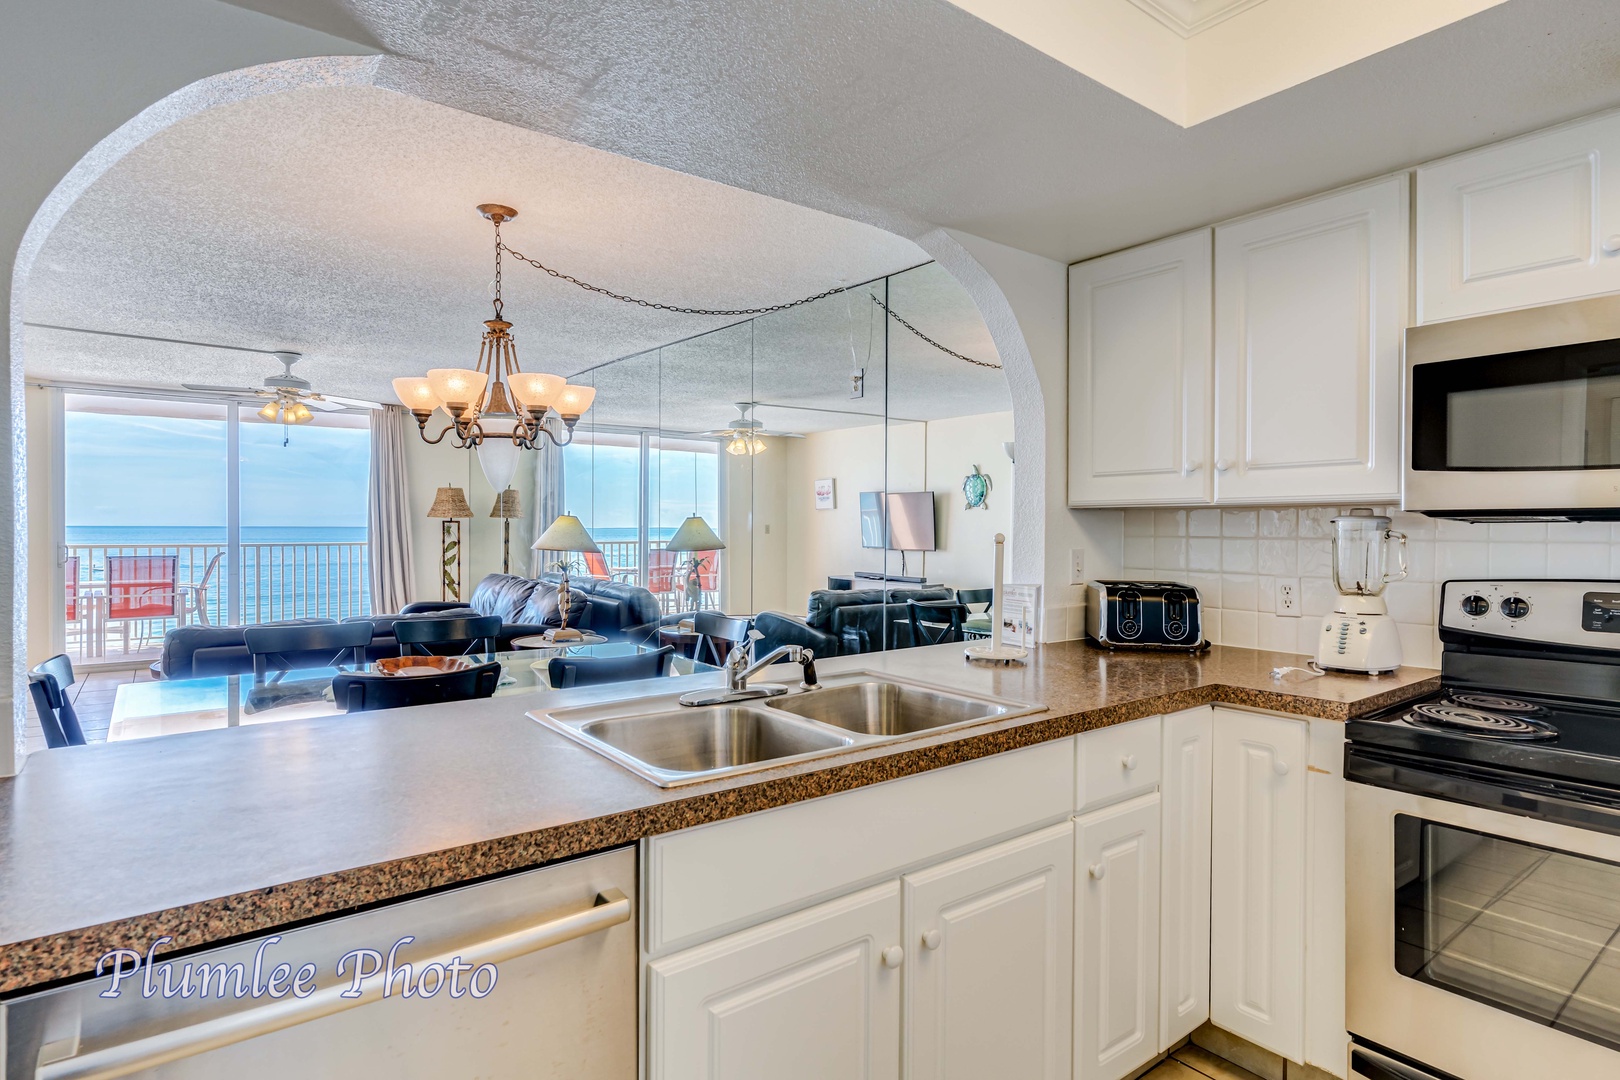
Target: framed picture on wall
<point x="826" y="495"/>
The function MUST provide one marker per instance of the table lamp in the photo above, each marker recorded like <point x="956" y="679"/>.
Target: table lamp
<point x="450" y="504"/>
<point x="567" y="533"/>
<point x="694" y="535"/>
<point x="506" y="506"/>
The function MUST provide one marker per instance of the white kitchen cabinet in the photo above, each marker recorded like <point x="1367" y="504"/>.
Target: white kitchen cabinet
<point x="1117" y="939"/>
<point x="1258" y="879"/>
<point x="1140" y="375"/>
<point x="805" y="997"/>
<point x="1184" y="917"/>
<point x="989" y="941"/>
<point x="1529" y="221"/>
<point x="1310" y="312"/>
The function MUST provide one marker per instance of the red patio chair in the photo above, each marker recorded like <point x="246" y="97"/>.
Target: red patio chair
<point x="661" y="576"/>
<point x="596" y="565"/>
<point x="70" y="585"/>
<point x="141" y="588"/>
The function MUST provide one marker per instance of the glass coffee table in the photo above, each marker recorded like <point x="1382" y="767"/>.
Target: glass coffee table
<point x="170" y="706"/>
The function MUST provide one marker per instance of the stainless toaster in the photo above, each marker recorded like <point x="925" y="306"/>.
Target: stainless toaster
<point x="1144" y="615"/>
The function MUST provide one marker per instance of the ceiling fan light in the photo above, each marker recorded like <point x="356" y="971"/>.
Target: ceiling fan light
<point x="743" y="444"/>
<point x="271" y="412"/>
<point x="574" y="400"/>
<point x="457" y="386"/>
<point x="416" y="394"/>
<point x="297" y="413"/>
<point x="535" y="389"/>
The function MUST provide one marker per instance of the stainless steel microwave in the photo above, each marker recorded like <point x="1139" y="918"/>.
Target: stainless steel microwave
<point x="1516" y="416"/>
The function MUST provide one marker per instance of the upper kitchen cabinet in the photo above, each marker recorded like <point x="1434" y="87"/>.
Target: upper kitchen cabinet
<point x="1530" y="221"/>
<point x="1139" y="375"/>
<point x="1310" y="307"/>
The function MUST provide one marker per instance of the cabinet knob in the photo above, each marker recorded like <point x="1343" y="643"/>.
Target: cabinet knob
<point x="931" y="939"/>
<point x="1222" y="465"/>
<point x="893" y="956"/>
<point x="1280" y="767"/>
<point x="1097" y="870"/>
<point x="1191" y="467"/>
<point x="1611" y="244"/>
<point x="1127" y="762"/>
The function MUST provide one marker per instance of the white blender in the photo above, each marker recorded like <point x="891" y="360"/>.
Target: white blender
<point x="1358" y="635"/>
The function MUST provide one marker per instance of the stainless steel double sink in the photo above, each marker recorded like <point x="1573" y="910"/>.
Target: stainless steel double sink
<point x="670" y="744"/>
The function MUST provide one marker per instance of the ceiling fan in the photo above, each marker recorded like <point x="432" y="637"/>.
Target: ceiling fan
<point x="745" y="436"/>
<point x="291" y="397"/>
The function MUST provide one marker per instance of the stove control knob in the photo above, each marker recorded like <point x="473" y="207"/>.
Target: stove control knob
<point x="1475" y="605"/>
<point x="1515" y="607"/>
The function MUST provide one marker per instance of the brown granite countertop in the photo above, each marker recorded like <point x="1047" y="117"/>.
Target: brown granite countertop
<point x="218" y="834"/>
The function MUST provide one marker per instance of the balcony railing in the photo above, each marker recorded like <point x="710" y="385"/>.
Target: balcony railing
<point x="625" y="563"/>
<point x="279" y="581"/>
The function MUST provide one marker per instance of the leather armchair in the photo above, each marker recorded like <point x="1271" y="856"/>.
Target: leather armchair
<point x="781" y="629"/>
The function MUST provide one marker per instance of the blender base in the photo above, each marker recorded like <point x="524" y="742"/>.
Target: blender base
<point x="1363" y="643"/>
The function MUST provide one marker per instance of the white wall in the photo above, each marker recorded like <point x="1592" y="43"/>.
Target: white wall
<point x="430" y="467"/>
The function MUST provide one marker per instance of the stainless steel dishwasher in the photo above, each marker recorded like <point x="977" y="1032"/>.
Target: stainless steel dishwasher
<point x="529" y="976"/>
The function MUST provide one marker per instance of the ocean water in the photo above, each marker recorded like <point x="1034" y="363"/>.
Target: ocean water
<point x="174" y="535"/>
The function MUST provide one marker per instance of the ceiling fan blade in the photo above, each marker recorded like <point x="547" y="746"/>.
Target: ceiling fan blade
<point x="780" y="434"/>
<point x="354" y="403"/>
<point x="323" y="404"/>
<point x="223" y="389"/>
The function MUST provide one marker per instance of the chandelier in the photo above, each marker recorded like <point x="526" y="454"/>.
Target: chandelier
<point x="496" y="406"/>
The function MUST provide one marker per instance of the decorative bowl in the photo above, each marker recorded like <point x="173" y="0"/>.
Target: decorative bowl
<point x="415" y="666"/>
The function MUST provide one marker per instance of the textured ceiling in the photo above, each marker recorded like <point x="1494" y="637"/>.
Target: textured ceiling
<point x="912" y="113"/>
<point x="339" y="222"/>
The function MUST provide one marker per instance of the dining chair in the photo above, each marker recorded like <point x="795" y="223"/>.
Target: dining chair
<point x="366" y="692"/>
<point x="478" y="632"/>
<point x="936" y="622"/>
<point x="47" y="685"/>
<point x="288" y="648"/>
<point x="566" y="671"/>
<point x="661" y="576"/>
<point x="977" y="623"/>
<point x="717" y="635"/>
<point x="141" y="588"/>
<point x="194" y="594"/>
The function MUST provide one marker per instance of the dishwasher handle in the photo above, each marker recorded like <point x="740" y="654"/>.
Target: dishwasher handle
<point x="610" y="908"/>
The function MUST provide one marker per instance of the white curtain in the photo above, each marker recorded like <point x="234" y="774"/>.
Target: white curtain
<point x="548" y="495"/>
<point x="388" y="536"/>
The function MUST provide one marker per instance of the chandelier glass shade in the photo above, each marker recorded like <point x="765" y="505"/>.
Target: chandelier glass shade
<point x="495" y="405"/>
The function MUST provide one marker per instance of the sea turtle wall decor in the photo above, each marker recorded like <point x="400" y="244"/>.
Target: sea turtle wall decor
<point x="976" y="489"/>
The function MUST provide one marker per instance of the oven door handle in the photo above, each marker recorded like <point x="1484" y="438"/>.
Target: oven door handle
<point x="1563" y="803"/>
<point x="1371" y="1065"/>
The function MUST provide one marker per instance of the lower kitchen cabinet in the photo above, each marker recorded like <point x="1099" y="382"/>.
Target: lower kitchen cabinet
<point x="806" y="997"/>
<point x="1117" y="939"/>
<point x="989" y="942"/>
<point x="1188" y="769"/>
<point x="1258" y="881"/>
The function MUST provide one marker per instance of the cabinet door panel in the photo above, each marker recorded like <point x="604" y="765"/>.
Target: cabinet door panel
<point x="1117" y="940"/>
<point x="1139" y="375"/>
<point x="990" y="975"/>
<point x="1257" y="954"/>
<point x="1184" y="921"/>
<point x="802" y="998"/>
<point x="1521" y="223"/>
<point x="1310" y="308"/>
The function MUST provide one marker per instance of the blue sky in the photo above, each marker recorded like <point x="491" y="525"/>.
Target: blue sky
<point x="137" y="470"/>
<point x="601" y="483"/>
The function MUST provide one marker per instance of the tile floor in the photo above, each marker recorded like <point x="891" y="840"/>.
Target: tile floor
<point x="93" y="693"/>
<point x="1194" y="1063"/>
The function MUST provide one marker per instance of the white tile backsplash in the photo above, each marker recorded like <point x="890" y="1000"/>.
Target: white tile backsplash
<point x="1235" y="557"/>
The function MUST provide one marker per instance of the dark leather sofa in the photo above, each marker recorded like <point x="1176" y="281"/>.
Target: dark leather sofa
<point x="616" y="611"/>
<point x="846" y="622"/>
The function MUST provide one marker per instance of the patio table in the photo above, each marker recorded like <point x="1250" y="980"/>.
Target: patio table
<point x="170" y="706"/>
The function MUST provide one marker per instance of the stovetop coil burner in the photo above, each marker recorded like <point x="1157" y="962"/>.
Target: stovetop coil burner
<point x="1479" y="721"/>
<point x="1494" y="703"/>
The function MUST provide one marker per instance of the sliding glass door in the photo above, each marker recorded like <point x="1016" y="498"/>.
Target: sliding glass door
<point x="176" y="512"/>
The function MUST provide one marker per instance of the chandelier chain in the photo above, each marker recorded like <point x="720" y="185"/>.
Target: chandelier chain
<point x="728" y="312"/>
<point x="499" y="304"/>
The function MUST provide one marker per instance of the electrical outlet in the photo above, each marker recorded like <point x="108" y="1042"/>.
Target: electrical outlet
<point x="1288" y="597"/>
<point x="1077" y="566"/>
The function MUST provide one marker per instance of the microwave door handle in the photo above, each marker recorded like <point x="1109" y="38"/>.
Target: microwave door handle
<point x="611" y="908"/>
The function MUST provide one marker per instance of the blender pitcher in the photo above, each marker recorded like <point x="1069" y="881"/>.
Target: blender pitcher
<point x="1361" y="543"/>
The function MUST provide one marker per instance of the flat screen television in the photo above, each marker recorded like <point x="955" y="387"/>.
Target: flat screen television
<point x="897" y="520"/>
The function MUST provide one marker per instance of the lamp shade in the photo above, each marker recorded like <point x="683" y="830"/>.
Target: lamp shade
<point x="415" y="394"/>
<point x="567" y="533"/>
<point x="695" y="535"/>
<point x="498" y="455"/>
<point x="535" y="389"/>
<point x="450" y="502"/>
<point x="573" y="400"/>
<point x="460" y="386"/>
<point x="506" y="505"/>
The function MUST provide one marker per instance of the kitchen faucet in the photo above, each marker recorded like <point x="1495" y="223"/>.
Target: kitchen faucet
<point x="740" y="666"/>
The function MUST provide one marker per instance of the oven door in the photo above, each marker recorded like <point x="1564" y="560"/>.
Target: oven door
<point x="1483" y="943"/>
<point x="1516" y="414"/>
